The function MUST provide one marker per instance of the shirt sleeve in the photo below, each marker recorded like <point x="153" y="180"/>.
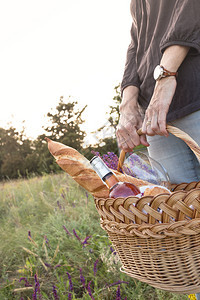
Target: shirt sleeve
<point x="130" y="76"/>
<point x="184" y="26"/>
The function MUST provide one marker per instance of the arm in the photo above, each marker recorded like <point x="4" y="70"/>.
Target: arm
<point x="130" y="118"/>
<point x="181" y="36"/>
<point x="130" y="121"/>
<point x="130" y="77"/>
<point x="164" y="91"/>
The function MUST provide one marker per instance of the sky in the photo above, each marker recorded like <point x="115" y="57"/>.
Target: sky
<point x="60" y="48"/>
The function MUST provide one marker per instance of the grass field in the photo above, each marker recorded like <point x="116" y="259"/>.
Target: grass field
<point x="52" y="246"/>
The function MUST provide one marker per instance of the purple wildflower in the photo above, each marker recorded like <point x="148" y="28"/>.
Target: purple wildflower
<point x="87" y="197"/>
<point x="89" y="290"/>
<point x="47" y="265"/>
<point x="37" y="289"/>
<point x="69" y="296"/>
<point x="111" y="160"/>
<point x="113" y="250"/>
<point x="57" y="266"/>
<point x="95" y="267"/>
<point x="82" y="278"/>
<point x="118" y="295"/>
<point x="34" y="296"/>
<point x="46" y="240"/>
<point x="55" y="293"/>
<point x="29" y="234"/>
<point x="26" y="281"/>
<point x="76" y="235"/>
<point x="66" y="230"/>
<point x="70" y="286"/>
<point x="59" y="205"/>
<point x="63" y="195"/>
<point x="118" y="283"/>
<point x="85" y="242"/>
<point x="125" y="298"/>
<point x="95" y="153"/>
<point x="70" y="282"/>
<point x="91" y="251"/>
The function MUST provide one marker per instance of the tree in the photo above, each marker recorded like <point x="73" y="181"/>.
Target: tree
<point x="20" y="156"/>
<point x="65" y="124"/>
<point x="114" y="109"/>
<point x="14" y="150"/>
<point x="64" y="127"/>
<point x="107" y="133"/>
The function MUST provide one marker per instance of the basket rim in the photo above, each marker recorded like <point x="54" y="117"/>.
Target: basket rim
<point x="163" y="208"/>
<point x="157" y="231"/>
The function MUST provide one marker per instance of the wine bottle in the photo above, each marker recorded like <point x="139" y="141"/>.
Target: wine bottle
<point x="116" y="188"/>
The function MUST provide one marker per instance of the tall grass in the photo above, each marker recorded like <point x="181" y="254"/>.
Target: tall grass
<point x="52" y="246"/>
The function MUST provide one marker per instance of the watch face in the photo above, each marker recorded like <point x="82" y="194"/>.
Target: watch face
<point x="158" y="72"/>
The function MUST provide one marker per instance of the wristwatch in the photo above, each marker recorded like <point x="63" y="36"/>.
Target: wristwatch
<point x="160" y="72"/>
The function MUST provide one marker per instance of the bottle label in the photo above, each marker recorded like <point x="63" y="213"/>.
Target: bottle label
<point x="100" y="167"/>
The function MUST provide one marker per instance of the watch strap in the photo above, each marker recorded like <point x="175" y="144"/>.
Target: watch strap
<point x="168" y="73"/>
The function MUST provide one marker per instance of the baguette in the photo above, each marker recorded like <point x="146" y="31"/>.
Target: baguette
<point x="79" y="168"/>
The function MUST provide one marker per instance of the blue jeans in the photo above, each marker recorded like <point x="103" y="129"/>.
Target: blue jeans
<point x="198" y="296"/>
<point x="177" y="158"/>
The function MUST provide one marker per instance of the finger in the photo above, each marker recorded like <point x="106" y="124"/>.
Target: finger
<point x="129" y="144"/>
<point x="149" y="130"/>
<point x="154" y="124"/>
<point x="135" y="138"/>
<point x="126" y="144"/>
<point x="125" y="141"/>
<point x="131" y="130"/>
<point x="163" y="124"/>
<point x="143" y="140"/>
<point x="144" y="124"/>
<point x="126" y="148"/>
<point x="128" y="135"/>
<point x="120" y="135"/>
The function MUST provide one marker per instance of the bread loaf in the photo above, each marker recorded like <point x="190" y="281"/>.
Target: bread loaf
<point x="79" y="168"/>
<point x="155" y="190"/>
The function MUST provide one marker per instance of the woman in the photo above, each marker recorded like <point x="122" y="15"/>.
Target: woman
<point x="161" y="84"/>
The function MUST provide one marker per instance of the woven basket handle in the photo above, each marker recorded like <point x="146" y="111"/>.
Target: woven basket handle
<point x="175" y="131"/>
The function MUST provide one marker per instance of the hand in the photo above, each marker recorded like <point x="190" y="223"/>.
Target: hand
<point x="156" y="113"/>
<point x="130" y="121"/>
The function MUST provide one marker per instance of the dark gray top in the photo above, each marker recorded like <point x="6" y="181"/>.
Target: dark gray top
<point x="158" y="24"/>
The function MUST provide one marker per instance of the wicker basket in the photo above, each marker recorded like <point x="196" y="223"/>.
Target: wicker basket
<point x="162" y="247"/>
